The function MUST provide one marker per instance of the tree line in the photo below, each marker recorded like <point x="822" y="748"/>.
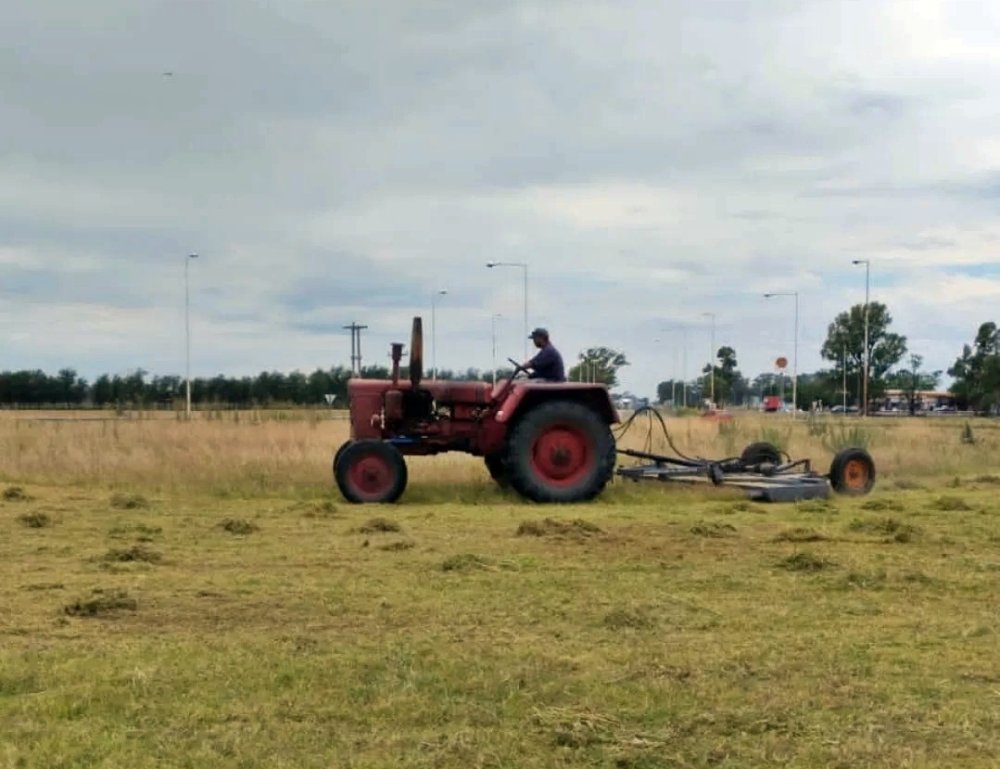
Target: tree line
<point x="976" y="374"/>
<point x="138" y="389"/>
<point x="892" y="366"/>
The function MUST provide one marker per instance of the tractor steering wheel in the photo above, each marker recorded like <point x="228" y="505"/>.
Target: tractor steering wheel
<point x="518" y="368"/>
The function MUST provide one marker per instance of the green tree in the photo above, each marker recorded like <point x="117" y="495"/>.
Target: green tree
<point x="730" y="387"/>
<point x="912" y="380"/>
<point x="977" y="371"/>
<point x="845" y="338"/>
<point x="666" y="390"/>
<point x="598" y="364"/>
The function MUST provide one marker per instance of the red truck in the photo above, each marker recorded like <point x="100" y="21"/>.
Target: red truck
<point x="772" y="403"/>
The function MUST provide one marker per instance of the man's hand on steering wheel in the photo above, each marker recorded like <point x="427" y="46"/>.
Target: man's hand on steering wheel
<point x="519" y="368"/>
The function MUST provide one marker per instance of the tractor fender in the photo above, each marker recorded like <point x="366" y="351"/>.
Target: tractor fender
<point x="526" y="396"/>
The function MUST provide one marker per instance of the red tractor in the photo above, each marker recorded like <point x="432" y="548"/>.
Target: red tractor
<point x="550" y="442"/>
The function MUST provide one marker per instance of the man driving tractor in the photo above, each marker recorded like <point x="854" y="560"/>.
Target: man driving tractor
<point x="547" y="363"/>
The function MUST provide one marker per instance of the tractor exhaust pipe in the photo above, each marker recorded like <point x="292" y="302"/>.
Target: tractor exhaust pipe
<point x="417" y="353"/>
<point x="397" y="354"/>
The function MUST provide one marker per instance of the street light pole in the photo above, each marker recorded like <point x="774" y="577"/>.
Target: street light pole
<point x="795" y="356"/>
<point x="711" y="359"/>
<point x="434" y="296"/>
<point x="523" y="266"/>
<point x="187" y="335"/>
<point x="493" y="333"/>
<point x="684" y="363"/>
<point x="867" y="264"/>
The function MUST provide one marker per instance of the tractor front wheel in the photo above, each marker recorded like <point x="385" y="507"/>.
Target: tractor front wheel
<point x="496" y="464"/>
<point x="370" y="472"/>
<point x="560" y="451"/>
<point x="338" y="455"/>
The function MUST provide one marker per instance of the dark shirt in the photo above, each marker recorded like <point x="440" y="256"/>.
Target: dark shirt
<point x="548" y="365"/>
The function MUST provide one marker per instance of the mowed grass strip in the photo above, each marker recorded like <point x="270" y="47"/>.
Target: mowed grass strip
<point x="656" y="627"/>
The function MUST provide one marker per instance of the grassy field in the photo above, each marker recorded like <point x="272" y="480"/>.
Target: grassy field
<point x="197" y="595"/>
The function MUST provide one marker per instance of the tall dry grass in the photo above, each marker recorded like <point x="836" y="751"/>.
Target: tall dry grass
<point x="260" y="452"/>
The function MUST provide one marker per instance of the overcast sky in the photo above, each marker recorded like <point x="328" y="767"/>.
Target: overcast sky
<point x="341" y="161"/>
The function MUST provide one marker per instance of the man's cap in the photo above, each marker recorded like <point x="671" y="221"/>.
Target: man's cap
<point x="543" y="333"/>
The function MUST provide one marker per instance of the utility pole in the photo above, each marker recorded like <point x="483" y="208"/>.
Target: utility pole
<point x="434" y="365"/>
<point x="867" y="263"/>
<point x="187" y="336"/>
<point x="845" y="380"/>
<point x="524" y="267"/>
<point x="493" y="334"/>
<point x="711" y="359"/>
<point x="355" y="330"/>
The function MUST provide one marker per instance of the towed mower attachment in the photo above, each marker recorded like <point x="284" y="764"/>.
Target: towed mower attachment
<point x="761" y="472"/>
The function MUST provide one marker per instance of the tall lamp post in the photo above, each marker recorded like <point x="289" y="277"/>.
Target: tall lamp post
<point x="867" y="264"/>
<point x="795" y="356"/>
<point x="434" y="296"/>
<point x="187" y="335"/>
<point x="684" y="364"/>
<point x="711" y="358"/>
<point x="493" y="336"/>
<point x="523" y="266"/>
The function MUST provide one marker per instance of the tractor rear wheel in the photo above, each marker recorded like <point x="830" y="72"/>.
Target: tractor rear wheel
<point x="560" y="451"/>
<point x="370" y="472"/>
<point x="852" y="472"/>
<point x="496" y="464"/>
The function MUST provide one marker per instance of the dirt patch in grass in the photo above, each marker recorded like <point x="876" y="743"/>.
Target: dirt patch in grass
<point x="465" y="562"/>
<point x="799" y="535"/>
<point x="397" y="547"/>
<point x="379" y="526"/>
<point x="552" y="527"/>
<point x="15" y="494"/>
<point x="713" y="530"/>
<point x="950" y="504"/>
<point x="122" y="501"/>
<point x="134" y="554"/>
<point x="102" y="603"/>
<point x="239" y="526"/>
<point x="805" y="561"/>
<point x="35" y="520"/>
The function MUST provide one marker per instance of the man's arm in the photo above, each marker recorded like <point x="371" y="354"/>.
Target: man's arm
<point x="542" y="357"/>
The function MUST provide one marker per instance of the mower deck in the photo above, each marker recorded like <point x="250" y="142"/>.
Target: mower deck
<point x="777" y="485"/>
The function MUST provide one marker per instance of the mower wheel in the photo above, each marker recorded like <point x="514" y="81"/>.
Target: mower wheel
<point x="852" y="472"/>
<point x="560" y="451"/>
<point x="337" y="456"/>
<point x="761" y="453"/>
<point x="496" y="464"/>
<point x="370" y="471"/>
